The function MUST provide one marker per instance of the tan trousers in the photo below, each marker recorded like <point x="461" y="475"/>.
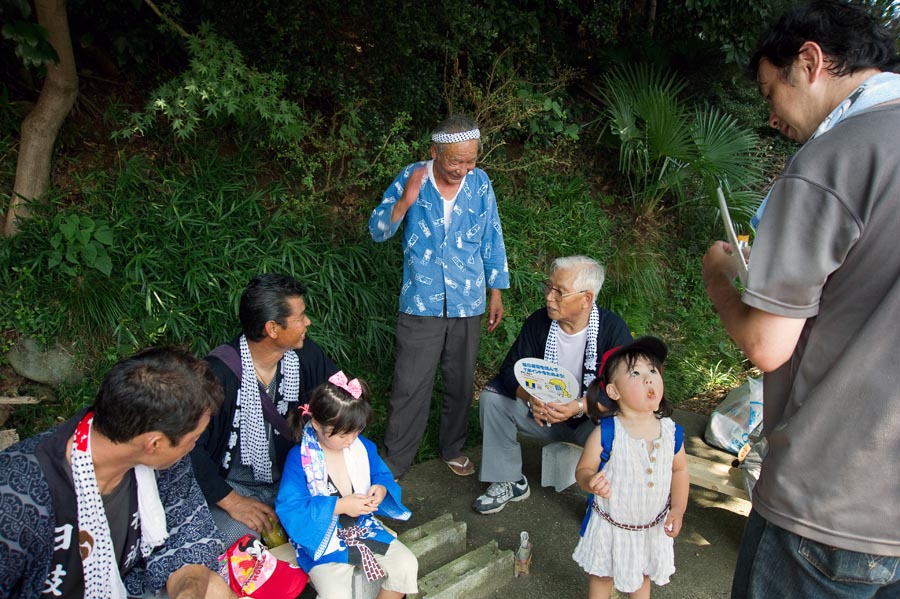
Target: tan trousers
<point x="335" y="581"/>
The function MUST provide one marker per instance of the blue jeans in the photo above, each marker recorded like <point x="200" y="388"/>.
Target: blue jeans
<point x="776" y="564"/>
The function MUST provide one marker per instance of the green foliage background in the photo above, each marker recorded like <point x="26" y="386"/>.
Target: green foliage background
<point x="263" y="142"/>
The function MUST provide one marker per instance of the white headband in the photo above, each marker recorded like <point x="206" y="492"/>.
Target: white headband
<point x="452" y="138"/>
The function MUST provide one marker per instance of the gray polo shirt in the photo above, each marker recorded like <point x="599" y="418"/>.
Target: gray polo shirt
<point x="828" y="250"/>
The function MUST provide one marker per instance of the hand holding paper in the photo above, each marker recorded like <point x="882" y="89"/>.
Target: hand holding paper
<point x="736" y="246"/>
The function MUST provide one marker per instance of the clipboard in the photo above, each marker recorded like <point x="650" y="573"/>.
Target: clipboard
<point x="739" y="261"/>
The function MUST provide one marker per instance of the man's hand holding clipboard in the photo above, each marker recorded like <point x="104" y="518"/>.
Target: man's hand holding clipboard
<point x="737" y="247"/>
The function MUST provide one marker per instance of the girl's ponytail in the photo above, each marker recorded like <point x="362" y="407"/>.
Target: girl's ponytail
<point x="297" y="419"/>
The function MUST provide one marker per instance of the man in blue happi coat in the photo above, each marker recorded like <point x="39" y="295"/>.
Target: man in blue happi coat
<point x="453" y="254"/>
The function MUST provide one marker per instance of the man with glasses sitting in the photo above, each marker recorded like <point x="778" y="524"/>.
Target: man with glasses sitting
<point x="571" y="331"/>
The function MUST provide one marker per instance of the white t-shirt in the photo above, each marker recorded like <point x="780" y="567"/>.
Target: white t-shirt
<point x="448" y="203"/>
<point x="571" y="351"/>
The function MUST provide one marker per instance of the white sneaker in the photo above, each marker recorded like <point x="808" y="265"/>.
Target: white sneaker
<point x="499" y="494"/>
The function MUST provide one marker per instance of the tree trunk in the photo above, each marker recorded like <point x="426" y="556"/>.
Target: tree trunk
<point x="40" y="127"/>
<point x="651" y="17"/>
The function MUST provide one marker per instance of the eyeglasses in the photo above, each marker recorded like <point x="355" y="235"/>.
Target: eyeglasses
<point x="556" y="294"/>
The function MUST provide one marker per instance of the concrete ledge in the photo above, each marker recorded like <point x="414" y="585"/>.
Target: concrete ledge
<point x="716" y="476"/>
<point x="436" y="542"/>
<point x="363" y="588"/>
<point x="558" y="461"/>
<point x="475" y="575"/>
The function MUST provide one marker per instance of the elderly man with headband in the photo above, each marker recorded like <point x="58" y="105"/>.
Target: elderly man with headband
<point x="453" y="253"/>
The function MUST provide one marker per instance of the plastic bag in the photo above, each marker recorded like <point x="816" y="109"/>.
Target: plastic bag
<point x="252" y="571"/>
<point x="730" y="423"/>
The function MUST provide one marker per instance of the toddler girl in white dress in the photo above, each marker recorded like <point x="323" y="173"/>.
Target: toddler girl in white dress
<point x="640" y="489"/>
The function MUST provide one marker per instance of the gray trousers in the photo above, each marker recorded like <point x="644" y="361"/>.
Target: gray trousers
<point x="502" y="418"/>
<point x="241" y="479"/>
<point x="423" y="342"/>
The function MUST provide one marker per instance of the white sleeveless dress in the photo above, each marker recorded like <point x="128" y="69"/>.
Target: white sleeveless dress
<point x="640" y="482"/>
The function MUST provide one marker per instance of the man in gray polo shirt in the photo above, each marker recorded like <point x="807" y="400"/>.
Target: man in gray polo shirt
<point x="820" y="314"/>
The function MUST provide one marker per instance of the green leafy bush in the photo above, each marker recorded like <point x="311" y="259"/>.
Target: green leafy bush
<point x="732" y="28"/>
<point x="186" y="238"/>
<point x="702" y="356"/>
<point x="29" y="38"/>
<point x="665" y="147"/>
<point x="220" y="87"/>
<point x="80" y="242"/>
<point x="185" y="245"/>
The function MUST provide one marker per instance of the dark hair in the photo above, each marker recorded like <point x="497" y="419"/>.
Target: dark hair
<point x="850" y="37"/>
<point x="333" y="406"/>
<point x="163" y="389"/>
<point x="599" y="405"/>
<point x="266" y="298"/>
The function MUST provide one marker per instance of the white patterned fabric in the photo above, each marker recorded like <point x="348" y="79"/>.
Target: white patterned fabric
<point x="101" y="573"/>
<point x="150" y="510"/>
<point x="452" y="138"/>
<point x="312" y="459"/>
<point x="551" y="347"/>
<point x="641" y="481"/>
<point x="255" y="447"/>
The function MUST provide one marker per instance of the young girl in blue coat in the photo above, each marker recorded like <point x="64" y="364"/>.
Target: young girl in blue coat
<point x="333" y="485"/>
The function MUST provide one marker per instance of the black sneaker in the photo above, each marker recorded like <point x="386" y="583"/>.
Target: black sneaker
<point x="499" y="494"/>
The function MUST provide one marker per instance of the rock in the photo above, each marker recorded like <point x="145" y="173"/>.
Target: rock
<point x="7" y="438"/>
<point x="52" y="366"/>
<point x="44" y="393"/>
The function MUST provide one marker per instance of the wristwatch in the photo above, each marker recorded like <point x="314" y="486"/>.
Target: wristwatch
<point x="580" y="412"/>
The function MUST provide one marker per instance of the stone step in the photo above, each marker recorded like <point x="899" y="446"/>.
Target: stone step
<point x="436" y="542"/>
<point x="446" y="571"/>
<point x="475" y="575"/>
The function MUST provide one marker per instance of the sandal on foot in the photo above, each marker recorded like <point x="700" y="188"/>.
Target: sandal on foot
<point x="461" y="466"/>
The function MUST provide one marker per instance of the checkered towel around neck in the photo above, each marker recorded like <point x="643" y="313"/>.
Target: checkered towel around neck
<point x="255" y="450"/>
<point x="101" y="571"/>
<point x="551" y="347"/>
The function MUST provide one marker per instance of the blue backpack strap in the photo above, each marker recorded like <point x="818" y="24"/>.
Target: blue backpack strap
<point x="607" y="434"/>
<point x="679" y="437"/>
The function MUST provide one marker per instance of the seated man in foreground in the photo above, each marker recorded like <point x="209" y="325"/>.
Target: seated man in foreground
<point x="572" y="332"/>
<point x="106" y="504"/>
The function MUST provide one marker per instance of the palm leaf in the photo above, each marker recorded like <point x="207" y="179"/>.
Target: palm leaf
<point x="724" y="149"/>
